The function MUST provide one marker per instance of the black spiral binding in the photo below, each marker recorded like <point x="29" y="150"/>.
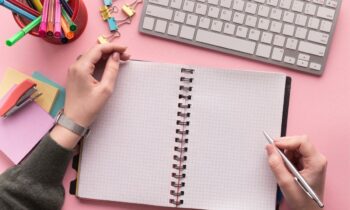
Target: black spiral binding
<point x="181" y="139"/>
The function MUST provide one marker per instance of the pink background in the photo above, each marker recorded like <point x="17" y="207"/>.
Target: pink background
<point x="319" y="107"/>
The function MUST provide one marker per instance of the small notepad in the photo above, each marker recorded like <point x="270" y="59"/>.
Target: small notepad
<point x="22" y="131"/>
<point x="186" y="137"/>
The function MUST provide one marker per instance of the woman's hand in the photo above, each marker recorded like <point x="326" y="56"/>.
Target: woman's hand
<point x="86" y="96"/>
<point x="309" y="162"/>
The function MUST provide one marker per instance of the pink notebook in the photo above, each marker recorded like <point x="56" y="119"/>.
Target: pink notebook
<point x="21" y="132"/>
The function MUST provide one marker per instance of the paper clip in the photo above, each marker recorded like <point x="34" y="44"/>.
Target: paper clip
<point x="108" y="2"/>
<point x="107" y="39"/>
<point x="106" y="12"/>
<point x="114" y="25"/>
<point x="21" y="95"/>
<point x="130" y="9"/>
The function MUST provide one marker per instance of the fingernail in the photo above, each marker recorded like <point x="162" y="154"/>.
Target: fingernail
<point x="116" y="56"/>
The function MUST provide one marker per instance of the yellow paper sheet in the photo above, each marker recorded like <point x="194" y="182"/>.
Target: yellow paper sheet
<point x="12" y="77"/>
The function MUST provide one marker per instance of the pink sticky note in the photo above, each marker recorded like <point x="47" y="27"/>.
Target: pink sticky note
<point x="20" y="132"/>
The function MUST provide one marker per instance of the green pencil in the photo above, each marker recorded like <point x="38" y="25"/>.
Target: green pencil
<point x="23" y="32"/>
<point x="72" y="25"/>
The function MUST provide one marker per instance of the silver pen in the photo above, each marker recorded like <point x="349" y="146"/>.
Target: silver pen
<point x="297" y="176"/>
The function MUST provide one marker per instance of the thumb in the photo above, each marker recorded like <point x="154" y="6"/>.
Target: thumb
<point x="283" y="176"/>
<point x="111" y="71"/>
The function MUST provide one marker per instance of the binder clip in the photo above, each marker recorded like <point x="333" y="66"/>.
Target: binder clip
<point x="21" y="95"/>
<point x="106" y="12"/>
<point x="114" y="25"/>
<point x="107" y="39"/>
<point x="130" y="9"/>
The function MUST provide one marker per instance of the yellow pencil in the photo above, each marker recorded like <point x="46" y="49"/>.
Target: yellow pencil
<point x="37" y="4"/>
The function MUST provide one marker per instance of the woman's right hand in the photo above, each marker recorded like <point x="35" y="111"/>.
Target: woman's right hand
<point x="310" y="163"/>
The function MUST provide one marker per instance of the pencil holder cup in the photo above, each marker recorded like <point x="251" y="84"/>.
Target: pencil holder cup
<point x="79" y="17"/>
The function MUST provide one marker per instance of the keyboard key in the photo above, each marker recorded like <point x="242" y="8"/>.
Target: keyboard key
<point x="263" y="23"/>
<point x="260" y="1"/>
<point x="173" y="29"/>
<point x="289" y="59"/>
<point x="276" y="27"/>
<point x="214" y="2"/>
<point x="225" y="41"/>
<point x="279" y="40"/>
<point x="179" y="17"/>
<point x="242" y="31"/>
<point x="318" y="37"/>
<point x="216" y="25"/>
<point x="276" y="14"/>
<point x="300" y="20"/>
<point x="213" y="12"/>
<point x="159" y="12"/>
<point x="263" y="50"/>
<point x="291" y="43"/>
<point x="251" y="7"/>
<point x="175" y="4"/>
<point x="238" y="18"/>
<point x="160" y="26"/>
<point x="160" y="2"/>
<point x="229" y="28"/>
<point x="313" y="23"/>
<point x="266" y="37"/>
<point x="311" y="48"/>
<point x="332" y="3"/>
<point x="315" y="66"/>
<point x="263" y="11"/>
<point x="277" y="54"/>
<point x="326" y="13"/>
<point x="320" y="2"/>
<point x="192" y="19"/>
<point x="310" y="9"/>
<point x="201" y="9"/>
<point x="326" y="26"/>
<point x="226" y="3"/>
<point x="187" y="32"/>
<point x="204" y="22"/>
<point x="188" y="6"/>
<point x="285" y="4"/>
<point x="272" y="2"/>
<point x="148" y="23"/>
<point x="302" y="63"/>
<point x="288" y="29"/>
<point x="288" y="17"/>
<point x="304" y="57"/>
<point x="226" y="15"/>
<point x="251" y="21"/>
<point x="238" y="5"/>
<point x="254" y="34"/>
<point x="298" y="6"/>
<point x="300" y="33"/>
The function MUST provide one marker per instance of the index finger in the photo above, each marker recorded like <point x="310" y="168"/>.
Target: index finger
<point x="95" y="53"/>
<point x="299" y="143"/>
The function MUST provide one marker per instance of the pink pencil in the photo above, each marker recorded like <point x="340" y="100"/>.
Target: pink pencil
<point x="57" y="30"/>
<point x="43" y="24"/>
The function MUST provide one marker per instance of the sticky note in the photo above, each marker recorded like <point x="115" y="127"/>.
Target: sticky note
<point x="61" y="96"/>
<point x="21" y="132"/>
<point x="49" y="93"/>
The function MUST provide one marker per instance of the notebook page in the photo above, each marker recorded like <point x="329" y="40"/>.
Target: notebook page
<point x="227" y="166"/>
<point x="128" y="155"/>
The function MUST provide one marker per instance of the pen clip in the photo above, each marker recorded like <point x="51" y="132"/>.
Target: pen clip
<point x="302" y="187"/>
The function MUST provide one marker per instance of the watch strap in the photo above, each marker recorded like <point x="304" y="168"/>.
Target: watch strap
<point x="69" y="124"/>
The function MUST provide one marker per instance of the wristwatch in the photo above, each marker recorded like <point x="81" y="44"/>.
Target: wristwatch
<point x="69" y="124"/>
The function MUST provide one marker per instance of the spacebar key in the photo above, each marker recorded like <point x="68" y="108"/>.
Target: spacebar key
<point x="224" y="41"/>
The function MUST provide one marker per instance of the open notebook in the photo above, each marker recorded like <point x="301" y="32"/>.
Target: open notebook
<point x="184" y="136"/>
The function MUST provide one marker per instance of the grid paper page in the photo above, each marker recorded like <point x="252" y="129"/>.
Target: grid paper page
<point x="128" y="155"/>
<point x="227" y="168"/>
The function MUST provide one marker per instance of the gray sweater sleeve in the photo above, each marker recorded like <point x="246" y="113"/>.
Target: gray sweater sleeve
<point x="36" y="183"/>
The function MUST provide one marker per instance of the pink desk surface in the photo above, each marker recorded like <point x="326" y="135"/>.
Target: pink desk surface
<point x="319" y="107"/>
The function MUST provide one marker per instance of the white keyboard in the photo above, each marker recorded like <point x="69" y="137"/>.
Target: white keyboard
<point x="292" y="33"/>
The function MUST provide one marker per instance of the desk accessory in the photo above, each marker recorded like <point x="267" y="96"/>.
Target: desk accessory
<point x="23" y="94"/>
<point x="175" y="135"/>
<point x="290" y="33"/>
